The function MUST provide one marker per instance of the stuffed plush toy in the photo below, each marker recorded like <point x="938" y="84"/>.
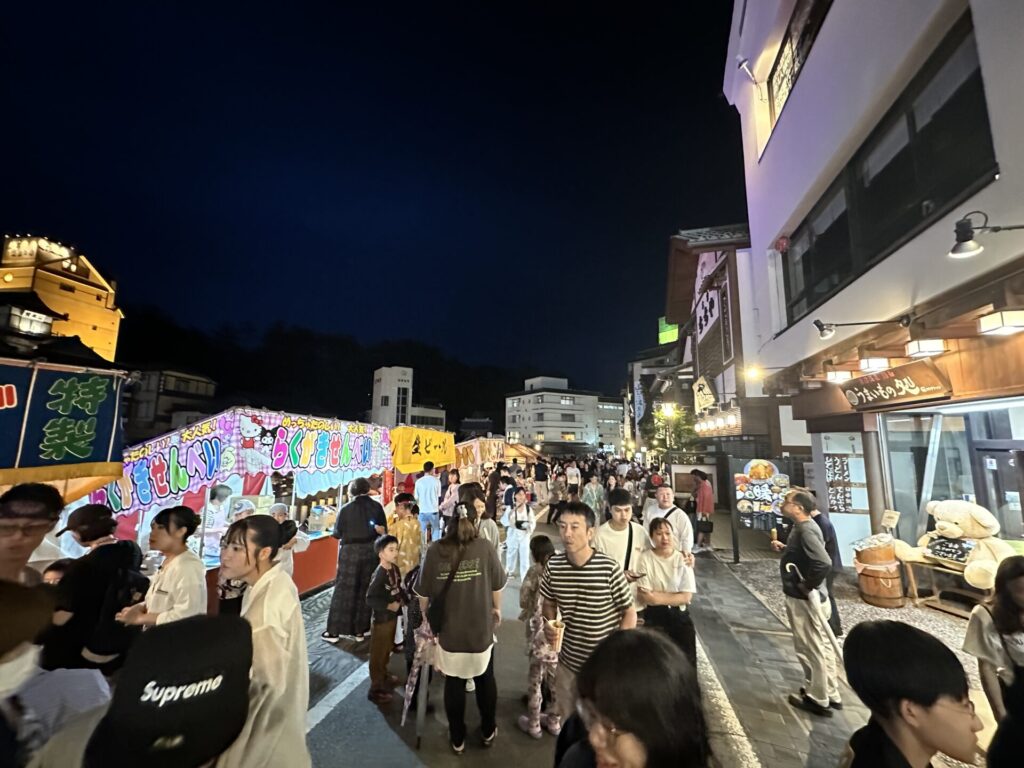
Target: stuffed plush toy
<point x="965" y="537"/>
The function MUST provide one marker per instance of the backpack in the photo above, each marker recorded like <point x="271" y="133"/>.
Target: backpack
<point x="110" y="637"/>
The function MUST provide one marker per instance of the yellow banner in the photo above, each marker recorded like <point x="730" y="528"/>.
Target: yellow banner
<point x="412" y="446"/>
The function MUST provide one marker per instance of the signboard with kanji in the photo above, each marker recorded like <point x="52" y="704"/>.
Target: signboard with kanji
<point x="57" y="417"/>
<point x="914" y="382"/>
<point x="412" y="447"/>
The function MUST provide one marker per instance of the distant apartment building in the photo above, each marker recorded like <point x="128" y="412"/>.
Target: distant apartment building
<point x="562" y="420"/>
<point x="165" y="400"/>
<point x="392" y="403"/>
<point x="78" y="301"/>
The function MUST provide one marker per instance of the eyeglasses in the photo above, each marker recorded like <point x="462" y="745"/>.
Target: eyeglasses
<point x="595" y="724"/>
<point x="29" y="529"/>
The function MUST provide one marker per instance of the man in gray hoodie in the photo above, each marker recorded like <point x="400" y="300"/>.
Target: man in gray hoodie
<point x="804" y="567"/>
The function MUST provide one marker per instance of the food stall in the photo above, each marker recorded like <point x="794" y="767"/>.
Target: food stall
<point x="472" y="455"/>
<point x="61" y="424"/>
<point x="246" y="460"/>
<point x="412" y="447"/>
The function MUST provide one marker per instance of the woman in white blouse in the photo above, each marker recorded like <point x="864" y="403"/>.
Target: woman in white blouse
<point x="271" y="606"/>
<point x="666" y="587"/>
<point x="300" y="543"/>
<point x="179" y="588"/>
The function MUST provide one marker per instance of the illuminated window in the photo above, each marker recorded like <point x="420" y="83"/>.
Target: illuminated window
<point x="569" y="436"/>
<point x="539" y="436"/>
<point x="567" y="400"/>
<point x="804" y="24"/>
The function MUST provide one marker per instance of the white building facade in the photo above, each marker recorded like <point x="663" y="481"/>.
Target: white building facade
<point x="550" y="414"/>
<point x="869" y="130"/>
<point x="392" y="403"/>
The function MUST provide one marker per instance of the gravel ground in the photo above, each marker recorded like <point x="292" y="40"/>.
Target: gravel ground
<point x="762" y="577"/>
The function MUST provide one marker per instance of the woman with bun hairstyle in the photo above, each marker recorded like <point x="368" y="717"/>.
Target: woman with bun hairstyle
<point x="179" y="588"/>
<point x="271" y="606"/>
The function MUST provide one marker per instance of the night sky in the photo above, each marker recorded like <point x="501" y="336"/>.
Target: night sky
<point x="501" y="182"/>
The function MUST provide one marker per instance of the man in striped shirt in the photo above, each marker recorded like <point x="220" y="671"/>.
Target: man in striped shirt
<point x="590" y="591"/>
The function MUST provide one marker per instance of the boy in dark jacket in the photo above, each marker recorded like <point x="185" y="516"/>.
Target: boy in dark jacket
<point x="384" y="596"/>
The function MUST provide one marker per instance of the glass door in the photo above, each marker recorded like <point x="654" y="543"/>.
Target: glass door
<point x="1003" y="473"/>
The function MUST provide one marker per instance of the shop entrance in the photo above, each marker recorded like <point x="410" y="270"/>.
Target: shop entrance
<point x="1001" y="475"/>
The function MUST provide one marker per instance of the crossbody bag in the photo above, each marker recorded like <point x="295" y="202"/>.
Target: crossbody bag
<point x="435" y="610"/>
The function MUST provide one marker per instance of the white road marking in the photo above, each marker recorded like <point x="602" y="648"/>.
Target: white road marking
<point x="336" y="696"/>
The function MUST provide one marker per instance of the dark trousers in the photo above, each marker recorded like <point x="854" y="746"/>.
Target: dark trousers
<point x="677" y="625"/>
<point x="382" y="640"/>
<point x="486" y="702"/>
<point x="349" y="614"/>
<point x="833" y="621"/>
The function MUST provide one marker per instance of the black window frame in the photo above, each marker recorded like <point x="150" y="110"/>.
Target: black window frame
<point x="813" y="21"/>
<point x="862" y="258"/>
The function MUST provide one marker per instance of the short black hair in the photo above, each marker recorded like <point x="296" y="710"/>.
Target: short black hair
<point x="581" y="509"/>
<point x="359" y="487"/>
<point x="404" y="498"/>
<point x="59" y="566"/>
<point x="660" y="522"/>
<point x="38" y="495"/>
<point x="541" y="548"/>
<point x="917" y="667"/>
<point x="619" y="497"/>
<point x="382" y="541"/>
<point x="427" y="466"/>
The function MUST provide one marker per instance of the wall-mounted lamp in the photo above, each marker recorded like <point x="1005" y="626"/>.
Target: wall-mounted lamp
<point x="827" y="330"/>
<point x="838" y="376"/>
<point x="925" y="347"/>
<point x="1005" y="322"/>
<point x="874" y="364"/>
<point x="966" y="246"/>
<point x="743" y="64"/>
<point x="755" y="373"/>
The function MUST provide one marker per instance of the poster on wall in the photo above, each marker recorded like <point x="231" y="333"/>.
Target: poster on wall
<point x="760" y="489"/>
<point x="845" y="479"/>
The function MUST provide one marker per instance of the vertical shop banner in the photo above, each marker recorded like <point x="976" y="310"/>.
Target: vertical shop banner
<point x="52" y="418"/>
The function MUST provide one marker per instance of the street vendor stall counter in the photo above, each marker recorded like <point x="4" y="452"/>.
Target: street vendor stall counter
<point x="239" y="461"/>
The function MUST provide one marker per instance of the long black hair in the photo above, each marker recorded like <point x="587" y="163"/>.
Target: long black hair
<point x="463" y="527"/>
<point x="1005" y="611"/>
<point x="644" y="684"/>
<point x="265" y="532"/>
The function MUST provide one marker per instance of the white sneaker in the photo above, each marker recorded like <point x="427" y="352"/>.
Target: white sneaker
<point x="470" y="686"/>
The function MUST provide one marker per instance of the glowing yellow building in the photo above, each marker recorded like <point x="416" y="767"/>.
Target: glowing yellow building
<point x="68" y="284"/>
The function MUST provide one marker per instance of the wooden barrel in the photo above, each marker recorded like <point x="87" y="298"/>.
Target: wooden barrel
<point x="880" y="584"/>
<point x="882" y="555"/>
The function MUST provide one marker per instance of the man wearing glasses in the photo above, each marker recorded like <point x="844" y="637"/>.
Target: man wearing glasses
<point x="27" y="513"/>
<point x="804" y="567"/>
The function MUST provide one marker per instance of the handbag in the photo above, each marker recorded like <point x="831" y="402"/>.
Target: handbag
<point x="435" y="610"/>
<point x="705" y="525"/>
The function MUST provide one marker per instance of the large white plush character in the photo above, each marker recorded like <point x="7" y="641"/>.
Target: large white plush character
<point x="955" y="519"/>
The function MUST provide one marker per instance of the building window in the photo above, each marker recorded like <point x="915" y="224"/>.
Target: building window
<point x="402" y="405"/>
<point x="539" y="436"/>
<point x="513" y="436"/>
<point x="568" y="417"/>
<point x="514" y="403"/>
<point x="540" y="416"/>
<point x="803" y="28"/>
<point x="540" y="398"/>
<point x="567" y="400"/>
<point x="931" y="152"/>
<point x="384" y="400"/>
<point x="569" y="436"/>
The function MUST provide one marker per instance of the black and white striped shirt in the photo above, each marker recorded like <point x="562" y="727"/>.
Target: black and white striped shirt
<point x="592" y="599"/>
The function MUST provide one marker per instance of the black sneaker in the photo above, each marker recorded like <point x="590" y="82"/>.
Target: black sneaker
<point x="489" y="740"/>
<point x="807" y="704"/>
<point x="458" y="749"/>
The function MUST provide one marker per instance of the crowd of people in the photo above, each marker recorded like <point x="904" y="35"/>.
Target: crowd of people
<point x="102" y="665"/>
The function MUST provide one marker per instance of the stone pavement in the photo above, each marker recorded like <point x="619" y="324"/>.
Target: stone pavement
<point x="752" y="655"/>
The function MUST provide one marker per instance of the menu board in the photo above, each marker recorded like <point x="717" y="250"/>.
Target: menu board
<point x="760" y="489"/>
<point x="845" y="480"/>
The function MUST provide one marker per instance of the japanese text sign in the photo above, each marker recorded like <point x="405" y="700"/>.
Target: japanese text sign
<point x="911" y="383"/>
<point x="54" y="416"/>
<point x="411" y="447"/>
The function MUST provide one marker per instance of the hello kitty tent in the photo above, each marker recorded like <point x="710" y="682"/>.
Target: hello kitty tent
<point x="252" y="452"/>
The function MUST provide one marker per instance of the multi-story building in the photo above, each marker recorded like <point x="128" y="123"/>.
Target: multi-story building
<point x="561" y="420"/>
<point x="81" y="301"/>
<point x="392" y="401"/>
<point x="882" y="152"/>
<point x="611" y="424"/>
<point x="709" y="281"/>
<point x="161" y="401"/>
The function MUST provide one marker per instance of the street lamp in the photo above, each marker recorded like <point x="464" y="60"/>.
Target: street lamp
<point x="668" y="410"/>
<point x="827" y="330"/>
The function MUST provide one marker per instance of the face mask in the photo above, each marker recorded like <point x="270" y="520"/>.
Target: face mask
<point x="15" y="671"/>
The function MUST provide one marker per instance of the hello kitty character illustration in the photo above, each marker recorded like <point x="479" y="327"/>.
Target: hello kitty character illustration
<point x="250" y="428"/>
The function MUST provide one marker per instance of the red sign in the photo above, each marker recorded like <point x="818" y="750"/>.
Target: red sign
<point x="8" y="396"/>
